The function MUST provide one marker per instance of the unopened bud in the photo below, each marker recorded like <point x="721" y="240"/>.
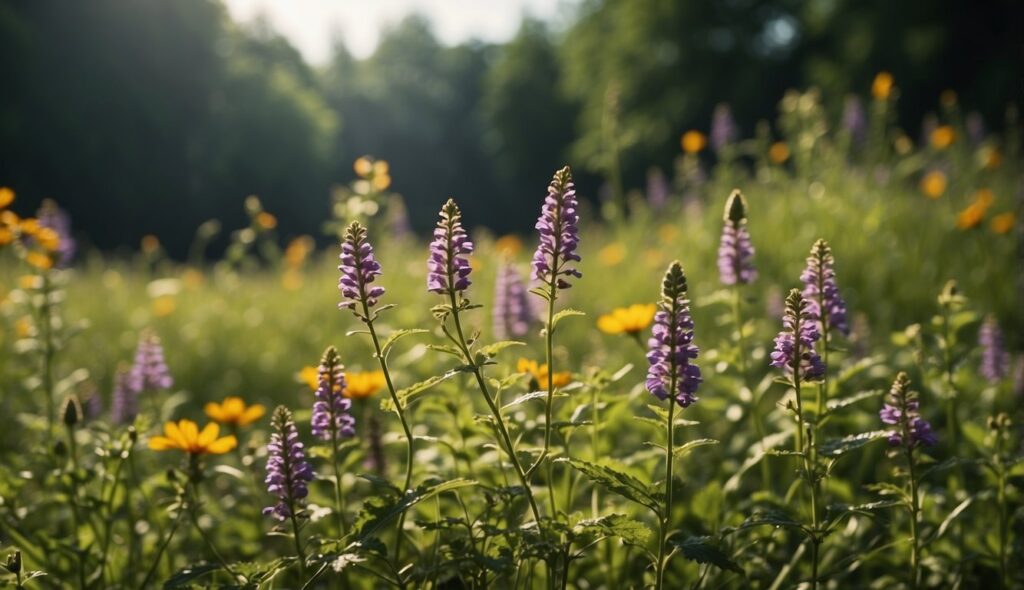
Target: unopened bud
<point x="14" y="563"/>
<point x="72" y="410"/>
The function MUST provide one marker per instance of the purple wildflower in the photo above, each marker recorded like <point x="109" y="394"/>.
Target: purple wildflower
<point x="448" y="267"/>
<point x="671" y="347"/>
<point x="735" y="252"/>
<point x="93" y="404"/>
<point x="994" y="358"/>
<point x="358" y="269"/>
<point x="902" y="411"/>
<point x="512" y="311"/>
<point x="724" y="131"/>
<point x="124" y="399"/>
<point x="288" y="473"/>
<point x="794" y="346"/>
<point x="558" y="226"/>
<point x="658" y="190"/>
<point x="331" y="418"/>
<point x="854" y="120"/>
<point x="57" y="219"/>
<point x="149" y="370"/>
<point x="821" y="292"/>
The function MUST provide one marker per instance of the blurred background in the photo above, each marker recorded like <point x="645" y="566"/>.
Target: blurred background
<point x="153" y="116"/>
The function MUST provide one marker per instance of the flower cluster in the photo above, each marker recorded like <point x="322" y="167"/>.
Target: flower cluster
<point x="149" y="369"/>
<point x="671" y="348"/>
<point x="358" y="269"/>
<point x="331" y="417"/>
<point x="448" y="267"/>
<point x="125" y="404"/>
<point x="184" y="435"/>
<point x="558" y="226"/>
<point x="794" y="346"/>
<point x="821" y="292"/>
<point x="735" y="252"/>
<point x="902" y="411"/>
<point x="288" y="472"/>
<point x="994" y="358"/>
<point x="512" y="311"/>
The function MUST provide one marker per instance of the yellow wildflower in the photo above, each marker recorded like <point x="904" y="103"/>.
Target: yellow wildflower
<point x="381" y="167"/>
<point x="363" y="384"/>
<point x="363" y="166"/>
<point x="881" y="87"/>
<point x="164" y="306"/>
<point x="23" y="327"/>
<point x="310" y="376"/>
<point x="627" y="320"/>
<point x="779" y="152"/>
<point x="943" y="137"/>
<point x="1003" y="223"/>
<point x="9" y="219"/>
<point x="990" y="157"/>
<point x="933" y="184"/>
<point x="693" y="142"/>
<point x="509" y="244"/>
<point x="297" y="251"/>
<point x="186" y="436"/>
<point x="612" y="254"/>
<point x="30" y="282"/>
<point x="6" y="236"/>
<point x="233" y="411"/>
<point x="381" y="181"/>
<point x="39" y="260"/>
<point x="48" y="239"/>
<point x="539" y="373"/>
<point x="30" y="226"/>
<point x="6" y="196"/>
<point x="265" y="220"/>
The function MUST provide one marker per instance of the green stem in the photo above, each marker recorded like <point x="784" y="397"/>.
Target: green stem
<point x="162" y="548"/>
<point x="299" y="551"/>
<point x="666" y="518"/>
<point x="915" y="509"/>
<point x="46" y="325"/>
<point x="806" y="453"/>
<point x="755" y="415"/>
<point x="109" y="504"/>
<point x="339" y="496"/>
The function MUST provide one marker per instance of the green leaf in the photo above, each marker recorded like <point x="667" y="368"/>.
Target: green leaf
<point x="620" y="483"/>
<point x="410" y="394"/>
<point x="693" y="444"/>
<point x="840" y="446"/>
<point x="398" y="335"/>
<point x="493" y="349"/>
<point x="775" y="518"/>
<point x="378" y="512"/>
<point x="190" y="573"/>
<point x="837" y="404"/>
<point x="952" y="516"/>
<point x="702" y="550"/>
<point x="525" y="398"/>
<point x="446" y="349"/>
<point x="629" y="530"/>
<point x="565" y="313"/>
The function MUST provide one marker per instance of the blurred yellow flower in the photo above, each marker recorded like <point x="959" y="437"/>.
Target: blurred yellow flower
<point x="990" y="157"/>
<point x="693" y="142"/>
<point x="364" y="384"/>
<point x="612" y="254"/>
<point x="779" y="152"/>
<point x="30" y="226"/>
<point x="297" y="250"/>
<point x="39" y="260"/>
<point x="30" y="282"/>
<point x="185" y="436"/>
<point x="971" y="216"/>
<point x="933" y="184"/>
<point x="881" y="87"/>
<point x="984" y="196"/>
<point x="363" y="166"/>
<point x="508" y="244"/>
<point x="381" y="181"/>
<point x="6" y="196"/>
<point x="23" y="327"/>
<point x="48" y="239"/>
<point x="233" y="411"/>
<point x="1003" y="223"/>
<point x="539" y="373"/>
<point x="627" y="320"/>
<point x="150" y="244"/>
<point x="9" y="219"/>
<point x="291" y="280"/>
<point x="903" y="144"/>
<point x="265" y="220"/>
<point x="6" y="236"/>
<point x="192" y="278"/>
<point x="943" y="137"/>
<point x="310" y="376"/>
<point x="381" y="167"/>
<point x="667" y="232"/>
<point x="164" y="306"/>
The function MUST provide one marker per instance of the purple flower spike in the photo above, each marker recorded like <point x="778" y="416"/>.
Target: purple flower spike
<point x="358" y="269"/>
<point x="724" y="131"/>
<point x="671" y="348"/>
<point x="288" y="473"/>
<point x="149" y="371"/>
<point x="902" y="411"/>
<point x="513" y="313"/>
<point x="448" y="267"/>
<point x="735" y="252"/>
<point x="558" y="226"/>
<point x="658" y="189"/>
<point x="794" y="346"/>
<point x="331" y="418"/>
<point x="125" y="402"/>
<point x="825" y="304"/>
<point x="854" y="120"/>
<point x="995" y="360"/>
<point x="57" y="219"/>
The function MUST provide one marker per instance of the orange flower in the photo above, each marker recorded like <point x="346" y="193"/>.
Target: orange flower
<point x="539" y="373"/>
<point x="39" y="260"/>
<point x="48" y="239"/>
<point x="627" y="320"/>
<point x="971" y="216"/>
<point x="381" y="167"/>
<point x="881" y="87"/>
<point x="310" y="376"/>
<point x="990" y="158"/>
<point x="612" y="254"/>
<point x="6" y="196"/>
<point x="693" y="141"/>
<point x="363" y="166"/>
<point x="509" y="244"/>
<point x="381" y="181"/>
<point x="779" y="152"/>
<point x="363" y="384"/>
<point x="1003" y="223"/>
<point x="933" y="184"/>
<point x="297" y="251"/>
<point x="943" y="137"/>
<point x="233" y="411"/>
<point x="30" y="226"/>
<point x="6" y="236"/>
<point x="266" y="220"/>
<point x="164" y="306"/>
<point x="30" y="282"/>
<point x="186" y="436"/>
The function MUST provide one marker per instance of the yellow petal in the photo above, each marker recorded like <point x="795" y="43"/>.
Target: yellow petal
<point x="608" y="324"/>
<point x="207" y="436"/>
<point x="254" y="413"/>
<point x="174" y="433"/>
<point x="214" y="411"/>
<point x="222" y="445"/>
<point x="162" y="443"/>
<point x="233" y="407"/>
<point x="189" y="432"/>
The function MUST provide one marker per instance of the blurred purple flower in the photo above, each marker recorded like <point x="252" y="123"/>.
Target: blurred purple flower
<point x="149" y="370"/>
<point x="331" y="418"/>
<point x="558" y="227"/>
<point x="794" y="346"/>
<point x="902" y="411"/>
<point x="448" y="266"/>
<point x="854" y="119"/>
<point x="288" y="472"/>
<point x="57" y="219"/>
<point x="671" y="347"/>
<point x="358" y="269"/>
<point x="512" y="310"/>
<point x="723" y="127"/>
<point x="995" y="360"/>
<point x="124" y="404"/>
<point x="658" y="190"/>
<point x="735" y="251"/>
<point x="821" y="292"/>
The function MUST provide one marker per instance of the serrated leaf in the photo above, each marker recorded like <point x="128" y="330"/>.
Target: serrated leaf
<point x="446" y="349"/>
<point x="620" y="483"/>
<point x="565" y="313"/>
<point x="525" y="398"/>
<point x="693" y="444"/>
<point x="378" y="512"/>
<point x="493" y="349"/>
<point x="409" y="394"/>
<point x="614" y="525"/>
<point x="839" y="446"/>
<point x="190" y="573"/>
<point x="775" y="518"/>
<point x="702" y="550"/>
<point x="837" y="404"/>
<point x="398" y="335"/>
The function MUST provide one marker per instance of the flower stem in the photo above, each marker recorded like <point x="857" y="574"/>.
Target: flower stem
<point x="46" y="325"/>
<point x="915" y="509"/>
<point x="755" y="415"/>
<point x="163" y="547"/>
<point x="806" y="454"/>
<point x="666" y="518"/>
<point x="339" y="496"/>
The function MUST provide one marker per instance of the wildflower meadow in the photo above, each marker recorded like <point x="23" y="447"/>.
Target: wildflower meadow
<point x="793" y="361"/>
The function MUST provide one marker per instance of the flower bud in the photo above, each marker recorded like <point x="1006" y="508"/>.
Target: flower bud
<point x="72" y="410"/>
<point x="14" y="563"/>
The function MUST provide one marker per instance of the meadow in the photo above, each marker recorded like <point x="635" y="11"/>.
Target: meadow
<point x="854" y="423"/>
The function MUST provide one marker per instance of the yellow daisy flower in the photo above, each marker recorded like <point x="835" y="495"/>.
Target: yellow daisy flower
<point x="933" y="184"/>
<point x="184" y="435"/>
<point x="779" y="152"/>
<point x="693" y="142"/>
<point x="943" y="137"/>
<point x="363" y="384"/>
<point x="627" y="320"/>
<point x="1003" y="223"/>
<point x="539" y="373"/>
<point x="233" y="411"/>
<point x="881" y="87"/>
<point x="6" y="196"/>
<point x="310" y="376"/>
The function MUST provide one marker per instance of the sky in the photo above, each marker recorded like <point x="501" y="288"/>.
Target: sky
<point x="311" y="25"/>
